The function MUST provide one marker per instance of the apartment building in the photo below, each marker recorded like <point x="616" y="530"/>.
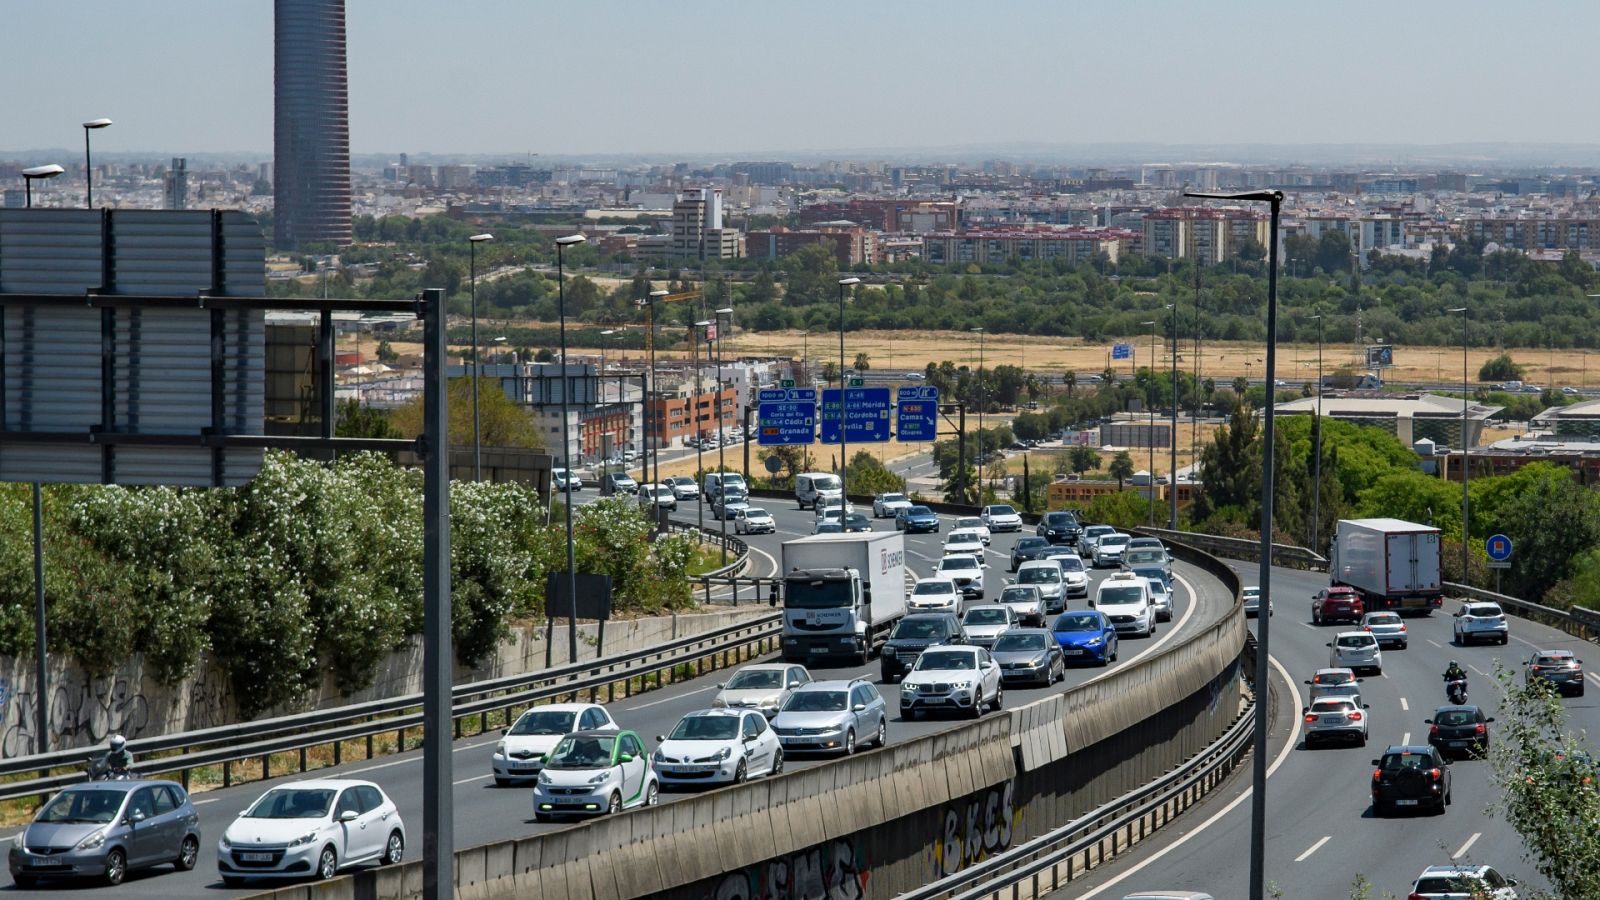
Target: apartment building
<point x="1210" y="235"/>
<point x="851" y="244"/>
<point x="891" y="215"/>
<point x="1074" y="245"/>
<point x="697" y="228"/>
<point x="1527" y="234"/>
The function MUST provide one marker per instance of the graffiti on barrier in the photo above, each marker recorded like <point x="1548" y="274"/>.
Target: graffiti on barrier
<point x="80" y="716"/>
<point x="975" y="829"/>
<point x="837" y="870"/>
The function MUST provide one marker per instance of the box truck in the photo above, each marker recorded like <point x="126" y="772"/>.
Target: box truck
<point x="842" y="593"/>
<point x="1392" y="564"/>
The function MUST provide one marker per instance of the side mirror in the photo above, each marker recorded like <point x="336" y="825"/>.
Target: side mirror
<point x="860" y="707"/>
<point x="137" y="816"/>
<point x="625" y="758"/>
<point x="1305" y="709"/>
<point x="1307" y="681"/>
<point x="1488" y="720"/>
<point x="793" y="685"/>
<point x="1366" y="706"/>
<point x="1427" y="721"/>
<point x="660" y="738"/>
<point x="1329" y="644"/>
<point x="1377" y="762"/>
<point x="750" y="738"/>
<point x="721" y="686"/>
<point x="505" y="731"/>
<point x="349" y="815"/>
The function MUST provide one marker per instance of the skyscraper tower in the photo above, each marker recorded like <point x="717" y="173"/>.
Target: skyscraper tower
<point x="311" y="148"/>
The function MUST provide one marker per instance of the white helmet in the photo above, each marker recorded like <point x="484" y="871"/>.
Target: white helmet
<point x="117" y="741"/>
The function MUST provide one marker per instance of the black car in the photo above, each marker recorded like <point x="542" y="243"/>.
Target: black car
<point x="1410" y="777"/>
<point x="915" y="519"/>
<point x="914" y="634"/>
<point x="1460" y="731"/>
<point x="1026" y="549"/>
<point x="1059" y="528"/>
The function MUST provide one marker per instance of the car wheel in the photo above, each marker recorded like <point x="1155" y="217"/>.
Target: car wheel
<point x="1380" y="810"/>
<point x="615" y="806"/>
<point x="501" y="782"/>
<point x="777" y="763"/>
<point x="741" y="774"/>
<point x="910" y="715"/>
<point x="999" y="697"/>
<point x="327" y="864"/>
<point x="116" y="867"/>
<point x="1402" y="645"/>
<point x="395" y="849"/>
<point x="232" y="881"/>
<point x="652" y="791"/>
<point x="541" y="817"/>
<point x="850" y="742"/>
<point x="1580" y="691"/>
<point x="1316" y="620"/>
<point x="882" y="740"/>
<point x="188" y="853"/>
<point x="1504" y="638"/>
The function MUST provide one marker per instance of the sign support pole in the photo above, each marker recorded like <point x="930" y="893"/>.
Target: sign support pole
<point x="438" y="807"/>
<point x="41" y="706"/>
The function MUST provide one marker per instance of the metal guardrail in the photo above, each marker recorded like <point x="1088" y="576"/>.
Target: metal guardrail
<point x="260" y="740"/>
<point x="1286" y="555"/>
<point x="1579" y="621"/>
<point x="1123" y="821"/>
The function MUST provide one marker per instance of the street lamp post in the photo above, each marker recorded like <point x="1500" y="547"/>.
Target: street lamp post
<point x="1466" y="444"/>
<point x="477" y="359"/>
<point x="724" y="320"/>
<point x="804" y="379"/>
<point x="699" y="432"/>
<point x="654" y="432"/>
<point x="88" y="165"/>
<point x="1150" y="436"/>
<point x="1316" y="477"/>
<point x="603" y="335"/>
<point x="562" y="243"/>
<point x="38" y="173"/>
<point x="1172" y="482"/>
<point x="844" y="441"/>
<point x="1258" y="797"/>
<point x="979" y="384"/>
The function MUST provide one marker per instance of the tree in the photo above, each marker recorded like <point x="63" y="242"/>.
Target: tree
<point x="862" y="363"/>
<point x="1501" y="368"/>
<point x="830" y="371"/>
<point x="1240" y="385"/>
<point x="358" y="420"/>
<point x="1084" y="458"/>
<point x="1334" y="252"/>
<point x="1124" y="509"/>
<point x="1553" y="521"/>
<point x="868" y="475"/>
<point x="1121" y="467"/>
<point x="813" y="276"/>
<point x="386" y="353"/>
<point x="1070" y="379"/>
<point x="502" y="423"/>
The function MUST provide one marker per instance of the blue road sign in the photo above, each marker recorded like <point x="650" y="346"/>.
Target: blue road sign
<point x="1122" y="351"/>
<point x="787" y="416"/>
<point x="917" y="414"/>
<point x="1498" y="547"/>
<point x="866" y="415"/>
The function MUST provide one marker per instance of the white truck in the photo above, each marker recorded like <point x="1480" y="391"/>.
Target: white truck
<point x="842" y="593"/>
<point x="1392" y="564"/>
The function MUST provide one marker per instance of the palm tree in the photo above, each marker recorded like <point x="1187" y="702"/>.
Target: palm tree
<point x="1240" y="385"/>
<point x="1121" y="468"/>
<point x="1070" y="379"/>
<point x="863" y="363"/>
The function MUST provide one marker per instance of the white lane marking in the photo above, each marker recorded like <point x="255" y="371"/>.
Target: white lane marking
<point x="1406" y="741"/>
<point x="1288" y="747"/>
<point x="470" y="780"/>
<point x="1404" y="705"/>
<point x="1435" y="643"/>
<point x="676" y="697"/>
<point x="1467" y="846"/>
<point x="772" y="563"/>
<point x="195" y="802"/>
<point x="1313" y="848"/>
<point x="1594" y="678"/>
<point x="1306" y="624"/>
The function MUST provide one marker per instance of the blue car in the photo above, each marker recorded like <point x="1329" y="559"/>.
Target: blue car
<point x="1086" y="636"/>
<point x="912" y="519"/>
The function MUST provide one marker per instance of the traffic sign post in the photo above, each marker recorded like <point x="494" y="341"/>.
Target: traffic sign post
<point x="917" y="414"/>
<point x="1498" y="549"/>
<point x="786" y="417"/>
<point x="866" y="415"/>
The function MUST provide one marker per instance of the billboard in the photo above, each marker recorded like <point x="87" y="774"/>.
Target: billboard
<point x="1380" y="356"/>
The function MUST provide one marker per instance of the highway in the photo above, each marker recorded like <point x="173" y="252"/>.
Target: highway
<point x="1320" y="828"/>
<point x="485" y="813"/>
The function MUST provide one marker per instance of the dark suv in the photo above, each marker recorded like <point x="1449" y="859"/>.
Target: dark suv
<point x="1460" y="731"/>
<point x="1059" y="528"/>
<point x="1337" y="603"/>
<point x="1410" y="777"/>
<point x="914" y="634"/>
<point x="1561" y="669"/>
<point x="1027" y="548"/>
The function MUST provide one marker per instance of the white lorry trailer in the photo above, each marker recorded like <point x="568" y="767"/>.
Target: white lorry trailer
<point x="842" y="593"/>
<point x="1391" y="563"/>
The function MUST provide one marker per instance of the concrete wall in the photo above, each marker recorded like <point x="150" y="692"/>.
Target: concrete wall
<point x="84" y="711"/>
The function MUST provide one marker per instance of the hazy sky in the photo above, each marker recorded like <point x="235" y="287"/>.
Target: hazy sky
<point x="686" y="76"/>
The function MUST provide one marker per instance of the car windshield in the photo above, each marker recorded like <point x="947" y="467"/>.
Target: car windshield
<point x="1039" y="575"/>
<point x="292" y="803"/>
<point x="1484" y="610"/>
<point x="918" y="629"/>
<point x="996" y="616"/>
<point x="1028" y="543"/>
<point x="894" y="498"/>
<point x="1355" y="640"/>
<point x="918" y="511"/>
<point x="1335" y="678"/>
<point x="1001" y="511"/>
<point x="1096" y="531"/>
<point x="1157" y="585"/>
<point x="825" y="483"/>
<point x="538" y="721"/>
<point x="1057" y="518"/>
<point x="958" y="562"/>
<point x="945" y="659"/>
<point x="1069" y="563"/>
<point x="86" y="807"/>
<point x="816" y="701"/>
<point x="927" y="588"/>
<point x="1013" y="643"/>
<point x="705" y="728"/>
<point x="1456" y="717"/>
<point x="756" y="679"/>
<point x="1383" y="619"/>
<point x="1551" y="660"/>
<point x="831" y="527"/>
<point x="1019" y="595"/>
<point x="970" y="522"/>
<point x="587" y="752"/>
<point x="1464" y="885"/>
<point x="1078" y="622"/>
<point x="1396" y="761"/>
<point x="1119" y="595"/>
<point x="1331" y="706"/>
<point x="1114" y="540"/>
<point x="964" y="537"/>
<point x="756" y="512"/>
<point x="857" y="519"/>
<point x="1137" y="557"/>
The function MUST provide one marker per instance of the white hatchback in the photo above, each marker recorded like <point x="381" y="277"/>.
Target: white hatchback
<point x="311" y="828"/>
<point x="712" y="746"/>
<point x="1355" y="650"/>
<point x="520" y="753"/>
<point x="964" y="541"/>
<point x="934" y="595"/>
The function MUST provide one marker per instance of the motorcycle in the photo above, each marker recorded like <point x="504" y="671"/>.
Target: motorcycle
<point x="101" y="770"/>
<point x="1456" y="690"/>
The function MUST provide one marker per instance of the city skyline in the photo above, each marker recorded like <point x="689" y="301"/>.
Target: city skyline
<point x="611" y="78"/>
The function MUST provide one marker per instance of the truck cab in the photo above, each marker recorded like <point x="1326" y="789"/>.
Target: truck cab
<point x="842" y="593"/>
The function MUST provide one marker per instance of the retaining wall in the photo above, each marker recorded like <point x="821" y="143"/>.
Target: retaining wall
<point x="84" y="710"/>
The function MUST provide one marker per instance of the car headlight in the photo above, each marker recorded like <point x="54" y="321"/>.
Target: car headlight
<point x="303" y="839"/>
<point x="226" y="844"/>
<point x="1095" y="641"/>
<point x="657" y="757"/>
<point x="770" y="703"/>
<point x="718" y="703"/>
<point x="17" y="842"/>
<point x="724" y="753"/>
<point x="544" y="777"/>
<point x="93" y="840"/>
<point x="908" y="688"/>
<point x="601" y="777"/>
<point x="500" y="749"/>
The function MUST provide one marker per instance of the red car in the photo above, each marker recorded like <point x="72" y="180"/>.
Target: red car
<point x="1337" y="604"/>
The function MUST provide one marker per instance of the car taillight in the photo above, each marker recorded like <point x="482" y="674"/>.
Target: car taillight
<point x="1481" y="728"/>
<point x="1433" y="731"/>
<point x="1435" y="773"/>
<point x="1402" y="626"/>
<point x="1355" y="717"/>
<point x="1377" y="774"/>
<point x="1366" y="628"/>
<point x="1416" y="896"/>
<point x="1311" y="717"/>
<point x="1535" y="668"/>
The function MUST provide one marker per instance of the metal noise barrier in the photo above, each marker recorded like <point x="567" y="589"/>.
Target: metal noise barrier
<point x="1038" y="859"/>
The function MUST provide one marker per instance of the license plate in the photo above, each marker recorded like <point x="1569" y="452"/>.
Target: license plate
<point x="686" y="770"/>
<point x="1073" y="651"/>
<point x="255" y="857"/>
<point x="1333" y="720"/>
<point x="1405" y="803"/>
<point x="818" y="650"/>
<point x="47" y="861"/>
<point x="1459" y="743"/>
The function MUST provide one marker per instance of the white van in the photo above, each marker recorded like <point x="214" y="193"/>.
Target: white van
<point x="812" y="485"/>
<point x="1125" y="600"/>
<point x="712" y="486"/>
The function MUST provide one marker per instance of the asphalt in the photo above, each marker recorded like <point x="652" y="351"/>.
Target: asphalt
<point x="484" y="812"/>
<point x="1321" y="832"/>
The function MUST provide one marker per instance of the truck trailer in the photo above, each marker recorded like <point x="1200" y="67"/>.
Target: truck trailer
<point x="842" y="593"/>
<point x="1391" y="563"/>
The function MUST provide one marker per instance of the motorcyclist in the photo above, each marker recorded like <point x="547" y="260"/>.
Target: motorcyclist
<point x="118" y="758"/>
<point x="1452" y="676"/>
<point x="1454" y="672"/>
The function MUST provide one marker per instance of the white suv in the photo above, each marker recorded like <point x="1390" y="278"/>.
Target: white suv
<point x="1125" y="600"/>
<point x="1481" y="622"/>
<point x="934" y="595"/>
<point x="1000" y="517"/>
<point x="1355" y="650"/>
<point x="963" y="570"/>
